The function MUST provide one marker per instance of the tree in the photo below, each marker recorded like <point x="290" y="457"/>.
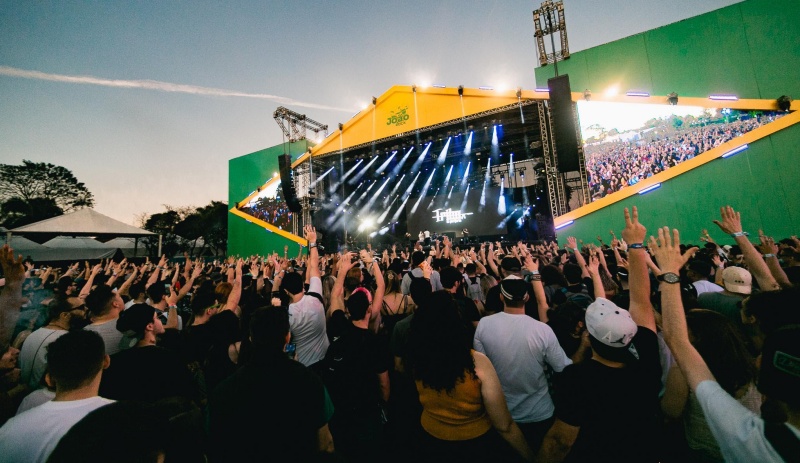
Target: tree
<point x="36" y="191"/>
<point x="181" y="228"/>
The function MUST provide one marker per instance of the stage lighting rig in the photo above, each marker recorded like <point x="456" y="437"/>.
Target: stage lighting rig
<point x="460" y="90"/>
<point x="672" y="98"/>
<point x="587" y="94"/>
<point x="784" y="103"/>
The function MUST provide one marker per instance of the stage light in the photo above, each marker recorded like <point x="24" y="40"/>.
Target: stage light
<point x="274" y="174"/>
<point x="547" y="90"/>
<point x="414" y="88"/>
<point x="611" y="91"/>
<point x="438" y="86"/>
<point x="637" y="93"/>
<point x="460" y="90"/>
<point x="736" y="150"/>
<point x="672" y="98"/>
<point x="784" y="103"/>
<point x="723" y="97"/>
<point x="650" y="188"/>
<point x="587" y="95"/>
<point x="482" y="87"/>
<point x="519" y="92"/>
<point x="374" y="101"/>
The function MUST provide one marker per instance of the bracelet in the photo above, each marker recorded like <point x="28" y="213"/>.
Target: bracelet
<point x="768" y="255"/>
<point x="536" y="278"/>
<point x="636" y="246"/>
<point x="173" y="307"/>
<point x="312" y="245"/>
<point x="740" y="233"/>
<point x="534" y="272"/>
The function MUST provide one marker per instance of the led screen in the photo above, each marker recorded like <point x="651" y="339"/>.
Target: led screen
<point x="482" y="212"/>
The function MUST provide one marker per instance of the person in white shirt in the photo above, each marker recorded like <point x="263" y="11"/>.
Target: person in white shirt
<point x="76" y="362"/>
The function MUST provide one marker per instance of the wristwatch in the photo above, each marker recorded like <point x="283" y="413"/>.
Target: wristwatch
<point x="669" y="277"/>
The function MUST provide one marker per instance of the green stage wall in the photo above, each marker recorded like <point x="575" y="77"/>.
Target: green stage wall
<point x="246" y="174"/>
<point x="751" y="49"/>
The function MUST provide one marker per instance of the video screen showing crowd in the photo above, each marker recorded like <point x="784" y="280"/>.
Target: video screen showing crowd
<point x="648" y="139"/>
<point x="270" y="208"/>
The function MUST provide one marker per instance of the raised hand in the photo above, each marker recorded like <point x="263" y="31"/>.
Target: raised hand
<point x="667" y="250"/>
<point x="767" y="245"/>
<point x="572" y="243"/>
<point x="731" y="221"/>
<point x="532" y="264"/>
<point x="634" y="232"/>
<point x="309" y="233"/>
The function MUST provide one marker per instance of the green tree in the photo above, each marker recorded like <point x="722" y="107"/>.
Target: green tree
<point x="36" y="191"/>
<point x="199" y="231"/>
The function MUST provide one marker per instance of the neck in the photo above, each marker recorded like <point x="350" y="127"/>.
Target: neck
<point x="296" y="297"/>
<point x="113" y="315"/>
<point x="363" y="323"/>
<point x="83" y="392"/>
<point x="514" y="310"/>
<point x="56" y="326"/>
<point x="149" y="340"/>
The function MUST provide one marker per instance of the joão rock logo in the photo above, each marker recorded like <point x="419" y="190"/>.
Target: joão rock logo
<point x="398" y="117"/>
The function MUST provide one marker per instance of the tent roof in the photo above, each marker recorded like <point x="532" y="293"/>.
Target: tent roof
<point x="76" y="242"/>
<point x="83" y="222"/>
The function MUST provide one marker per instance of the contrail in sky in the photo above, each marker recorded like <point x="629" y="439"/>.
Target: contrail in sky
<point x="161" y="86"/>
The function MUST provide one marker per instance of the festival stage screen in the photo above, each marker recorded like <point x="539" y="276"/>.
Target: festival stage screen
<point x="625" y="143"/>
<point x="482" y="212"/>
<point x="270" y="207"/>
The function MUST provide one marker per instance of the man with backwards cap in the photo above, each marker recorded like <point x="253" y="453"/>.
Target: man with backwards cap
<point x="417" y="258"/>
<point x="520" y="347"/>
<point x="510" y="267"/>
<point x="606" y="408"/>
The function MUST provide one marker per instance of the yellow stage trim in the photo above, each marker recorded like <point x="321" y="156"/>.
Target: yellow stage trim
<point x="270" y="227"/>
<point x="710" y="155"/>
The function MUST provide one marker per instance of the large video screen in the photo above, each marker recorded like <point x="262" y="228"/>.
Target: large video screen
<point x="625" y="143"/>
<point x="483" y="212"/>
<point x="270" y="207"/>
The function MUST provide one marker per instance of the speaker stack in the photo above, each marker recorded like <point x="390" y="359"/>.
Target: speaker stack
<point x="287" y="183"/>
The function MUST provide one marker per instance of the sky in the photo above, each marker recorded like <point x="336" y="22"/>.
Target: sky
<point x="147" y="101"/>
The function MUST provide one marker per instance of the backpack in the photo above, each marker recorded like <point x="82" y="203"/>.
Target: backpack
<point x="474" y="290"/>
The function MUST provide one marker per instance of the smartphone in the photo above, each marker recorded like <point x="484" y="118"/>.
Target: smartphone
<point x="290" y="350"/>
<point x="166" y="286"/>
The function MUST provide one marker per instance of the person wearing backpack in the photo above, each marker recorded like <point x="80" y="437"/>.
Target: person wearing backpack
<point x="355" y="371"/>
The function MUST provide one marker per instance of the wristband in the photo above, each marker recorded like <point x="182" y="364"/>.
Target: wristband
<point x="536" y="278"/>
<point x="740" y="233"/>
<point x="636" y="246"/>
<point x="173" y="307"/>
<point x="312" y="245"/>
<point x="769" y="255"/>
<point x="534" y="272"/>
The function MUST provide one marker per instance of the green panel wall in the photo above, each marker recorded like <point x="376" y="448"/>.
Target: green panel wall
<point x="245" y="174"/>
<point x="751" y="49"/>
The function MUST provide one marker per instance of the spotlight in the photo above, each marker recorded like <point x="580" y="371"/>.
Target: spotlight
<point x="784" y="103"/>
<point x="672" y="98"/>
<point x="341" y="126"/>
<point x="460" y="90"/>
<point x="587" y="94"/>
<point x="519" y="92"/>
<point x="414" y="88"/>
<point x="374" y="101"/>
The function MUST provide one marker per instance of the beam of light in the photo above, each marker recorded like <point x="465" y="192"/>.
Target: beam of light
<point x="468" y="146"/>
<point x="485" y="183"/>
<point x="464" y="201"/>
<point x="386" y="209"/>
<point x="396" y="186"/>
<point x="341" y="207"/>
<point x="422" y="192"/>
<point x="466" y="174"/>
<point x="386" y="162"/>
<point x="421" y="158"/>
<point x="435" y="194"/>
<point x="495" y="150"/>
<point x="505" y="220"/>
<point x="159" y="86"/>
<point x="501" y="202"/>
<point x="449" y="194"/>
<point x="383" y="230"/>
<point x="443" y="154"/>
<point x="447" y="178"/>
<point x="322" y="176"/>
<point x="374" y="197"/>
<point x="403" y="160"/>
<point x="525" y="199"/>
<point x="399" y="210"/>
<point x="411" y="187"/>
<point x="363" y="171"/>
<point x="344" y="177"/>
<point x="510" y="170"/>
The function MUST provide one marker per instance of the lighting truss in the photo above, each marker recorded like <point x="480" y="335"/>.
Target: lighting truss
<point x="549" y="20"/>
<point x="294" y="125"/>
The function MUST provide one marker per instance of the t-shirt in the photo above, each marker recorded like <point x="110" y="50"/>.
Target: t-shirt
<point x="32" y="356"/>
<point x="31" y="436"/>
<point x="114" y="340"/>
<point x="436" y="281"/>
<point x="307" y="325"/>
<point x="520" y="348"/>
<point x="146" y="373"/>
<point x="616" y="409"/>
<point x="739" y="432"/>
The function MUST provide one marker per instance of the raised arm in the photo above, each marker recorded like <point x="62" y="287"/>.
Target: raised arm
<point x="87" y="288"/>
<point x="731" y="223"/>
<point x="572" y="246"/>
<point x="236" y="292"/>
<point x="641" y="309"/>
<point x="769" y="250"/>
<point x="594" y="272"/>
<point x="538" y="288"/>
<point x="312" y="266"/>
<point x="337" y="293"/>
<point x="154" y="275"/>
<point x="126" y="285"/>
<point x="673" y="320"/>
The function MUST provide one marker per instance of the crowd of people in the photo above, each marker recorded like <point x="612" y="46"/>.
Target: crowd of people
<point x="611" y="166"/>
<point x="643" y="349"/>
<point x="271" y="210"/>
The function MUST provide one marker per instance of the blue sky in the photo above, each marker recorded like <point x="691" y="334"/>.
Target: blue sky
<point x="139" y="148"/>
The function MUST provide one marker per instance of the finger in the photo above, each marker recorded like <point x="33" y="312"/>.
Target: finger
<point x="653" y="243"/>
<point x="635" y="214"/>
<point x="661" y="240"/>
<point x="627" y="217"/>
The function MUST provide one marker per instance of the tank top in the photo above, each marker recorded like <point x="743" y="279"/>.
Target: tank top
<point x="454" y="416"/>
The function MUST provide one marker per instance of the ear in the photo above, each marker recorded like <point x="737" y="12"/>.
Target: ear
<point x="106" y="361"/>
<point x="49" y="381"/>
<point x="527" y="296"/>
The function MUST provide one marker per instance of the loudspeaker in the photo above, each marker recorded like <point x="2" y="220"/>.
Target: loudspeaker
<point x="287" y="183"/>
<point x="562" y="111"/>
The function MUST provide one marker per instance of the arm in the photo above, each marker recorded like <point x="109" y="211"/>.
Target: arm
<point x="325" y="439"/>
<point x="538" y="288"/>
<point x="497" y="408"/>
<point x="312" y="266"/>
<point x="638" y="278"/>
<point x="676" y="333"/>
<point x="383" y="381"/>
<point x="719" y="266"/>
<point x="676" y="394"/>
<point x="198" y="269"/>
<point x="87" y="288"/>
<point x="770" y="254"/>
<point x="572" y="245"/>
<point x="126" y="285"/>
<point x="594" y="271"/>
<point x="731" y="224"/>
<point x="154" y="276"/>
<point x="337" y="293"/>
<point x="557" y="442"/>
<point x="236" y="292"/>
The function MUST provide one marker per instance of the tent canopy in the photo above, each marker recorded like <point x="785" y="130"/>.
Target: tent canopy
<point x="83" y="222"/>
